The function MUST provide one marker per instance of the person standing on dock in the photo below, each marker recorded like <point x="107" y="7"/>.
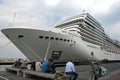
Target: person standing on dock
<point x="98" y="70"/>
<point x="95" y="71"/>
<point x="70" y="69"/>
<point x="92" y="71"/>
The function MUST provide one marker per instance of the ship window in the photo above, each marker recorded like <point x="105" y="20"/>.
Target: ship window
<point x="74" y="41"/>
<point x="61" y="39"/>
<point x="92" y="54"/>
<point x="68" y="40"/>
<point x="40" y="36"/>
<point x="79" y="20"/>
<point x="46" y="37"/>
<point x="64" y="39"/>
<point x="52" y="38"/>
<point x="56" y="38"/>
<point x="20" y="36"/>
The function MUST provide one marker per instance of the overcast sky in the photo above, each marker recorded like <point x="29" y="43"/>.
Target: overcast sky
<point x="36" y="13"/>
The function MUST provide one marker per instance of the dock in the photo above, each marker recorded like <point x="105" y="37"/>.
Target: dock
<point x="83" y="70"/>
<point x="28" y="73"/>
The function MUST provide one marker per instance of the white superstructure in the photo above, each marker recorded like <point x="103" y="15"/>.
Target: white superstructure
<point x="79" y="38"/>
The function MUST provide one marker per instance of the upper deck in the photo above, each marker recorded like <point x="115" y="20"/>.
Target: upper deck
<point x="90" y="30"/>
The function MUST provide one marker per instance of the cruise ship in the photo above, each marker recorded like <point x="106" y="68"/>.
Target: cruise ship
<point x="80" y="38"/>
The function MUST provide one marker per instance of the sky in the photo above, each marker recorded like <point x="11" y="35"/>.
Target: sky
<point x="41" y="13"/>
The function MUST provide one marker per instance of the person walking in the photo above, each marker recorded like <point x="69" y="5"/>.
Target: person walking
<point x="95" y="71"/>
<point x="92" y="71"/>
<point x="70" y="69"/>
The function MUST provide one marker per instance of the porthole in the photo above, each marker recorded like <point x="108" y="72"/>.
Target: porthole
<point x="57" y="38"/>
<point x="20" y="36"/>
<point x="46" y="37"/>
<point x="68" y="40"/>
<point x="74" y="41"/>
<point x="40" y="36"/>
<point x="61" y="39"/>
<point x="52" y="38"/>
<point x="64" y="39"/>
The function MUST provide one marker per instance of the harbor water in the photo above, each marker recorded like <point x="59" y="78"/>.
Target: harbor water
<point x="2" y="67"/>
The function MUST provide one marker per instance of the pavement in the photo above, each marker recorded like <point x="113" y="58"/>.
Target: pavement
<point x="11" y="76"/>
<point x="112" y="76"/>
<point x="83" y="70"/>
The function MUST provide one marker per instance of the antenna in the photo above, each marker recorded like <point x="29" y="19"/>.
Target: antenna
<point x="14" y="16"/>
<point x="83" y="10"/>
<point x="11" y="23"/>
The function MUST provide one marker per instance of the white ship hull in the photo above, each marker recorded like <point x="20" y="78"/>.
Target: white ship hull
<point x="39" y="43"/>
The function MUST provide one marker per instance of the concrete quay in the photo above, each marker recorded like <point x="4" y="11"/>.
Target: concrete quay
<point x="83" y="70"/>
<point x="112" y="76"/>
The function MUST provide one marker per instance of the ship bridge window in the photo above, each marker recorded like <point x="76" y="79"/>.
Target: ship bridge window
<point x="40" y="36"/>
<point x="20" y="36"/>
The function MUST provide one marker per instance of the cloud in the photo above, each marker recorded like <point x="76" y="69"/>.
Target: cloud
<point x="114" y="30"/>
<point x="51" y="2"/>
<point x="26" y="13"/>
<point x="31" y="12"/>
<point x="111" y="16"/>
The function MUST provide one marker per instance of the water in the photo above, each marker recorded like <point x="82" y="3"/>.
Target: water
<point x="2" y="67"/>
